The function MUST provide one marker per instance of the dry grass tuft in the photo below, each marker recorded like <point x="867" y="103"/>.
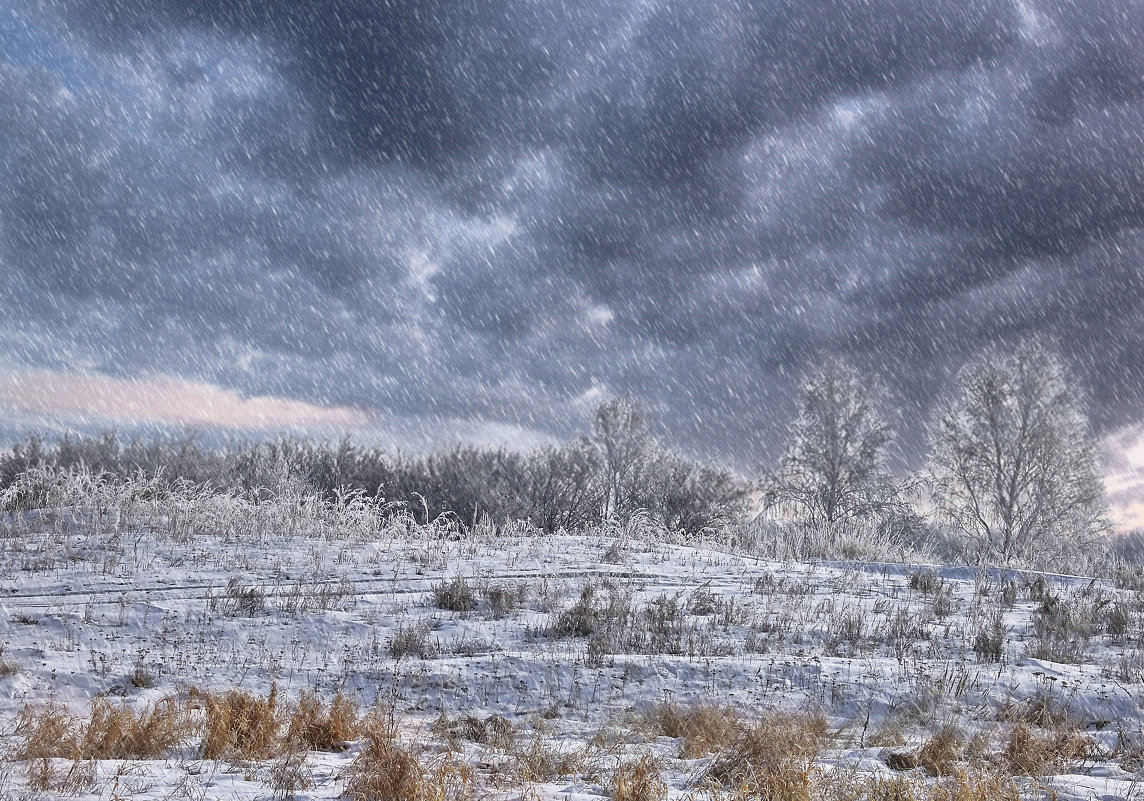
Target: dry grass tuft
<point x="317" y="727"/>
<point x="111" y="732"/>
<point x="545" y="763"/>
<point x="961" y="786"/>
<point x="494" y="730"/>
<point x="638" y="780"/>
<point x="1029" y="753"/>
<point x="387" y="771"/>
<point x="703" y="728"/>
<point x="772" y="759"/>
<point x="240" y="725"/>
<point x="455" y="596"/>
<point x="43" y="776"/>
<point x="940" y="754"/>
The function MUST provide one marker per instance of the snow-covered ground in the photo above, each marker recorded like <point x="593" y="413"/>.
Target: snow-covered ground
<point x="576" y="641"/>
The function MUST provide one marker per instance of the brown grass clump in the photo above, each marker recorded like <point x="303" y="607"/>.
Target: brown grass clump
<point x="388" y="771"/>
<point x="703" y="728"/>
<point x="43" y="776"/>
<point x="772" y="759"/>
<point x="494" y="730"/>
<point x="543" y="763"/>
<point x="940" y="754"/>
<point x="1028" y="753"/>
<point x="317" y="727"/>
<point x="638" y="780"/>
<point x="47" y="732"/>
<point x="240" y="725"/>
<point x="115" y="732"/>
<point x="973" y="786"/>
<point x="961" y="786"/>
<point x="111" y="732"/>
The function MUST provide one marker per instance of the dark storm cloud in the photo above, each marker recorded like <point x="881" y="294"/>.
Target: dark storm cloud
<point x="500" y="212"/>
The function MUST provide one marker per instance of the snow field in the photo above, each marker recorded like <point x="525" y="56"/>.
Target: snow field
<point x="565" y="667"/>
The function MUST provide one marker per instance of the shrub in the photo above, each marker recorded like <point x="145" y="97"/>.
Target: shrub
<point x="411" y="640"/>
<point x="455" y="595"/>
<point x="989" y="641"/>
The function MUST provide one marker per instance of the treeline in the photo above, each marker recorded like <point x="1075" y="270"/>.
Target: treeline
<point x="615" y="471"/>
<point x="1012" y="475"/>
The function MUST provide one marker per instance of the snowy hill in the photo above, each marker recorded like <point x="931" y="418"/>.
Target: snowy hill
<point x="550" y="667"/>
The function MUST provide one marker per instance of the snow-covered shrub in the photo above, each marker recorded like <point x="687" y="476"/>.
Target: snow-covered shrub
<point x="456" y="595"/>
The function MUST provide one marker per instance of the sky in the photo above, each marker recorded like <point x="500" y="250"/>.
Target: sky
<point x="453" y="220"/>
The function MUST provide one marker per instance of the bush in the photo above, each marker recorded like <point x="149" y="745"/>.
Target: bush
<point x="989" y="640"/>
<point x="455" y="595"/>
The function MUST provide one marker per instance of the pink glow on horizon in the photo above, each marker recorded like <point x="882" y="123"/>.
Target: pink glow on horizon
<point x="164" y="400"/>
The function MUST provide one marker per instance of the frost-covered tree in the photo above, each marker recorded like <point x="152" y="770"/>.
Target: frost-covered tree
<point x="834" y="466"/>
<point x="620" y="432"/>
<point x="1012" y="466"/>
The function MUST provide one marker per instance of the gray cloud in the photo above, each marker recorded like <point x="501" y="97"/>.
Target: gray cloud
<point x="478" y="215"/>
